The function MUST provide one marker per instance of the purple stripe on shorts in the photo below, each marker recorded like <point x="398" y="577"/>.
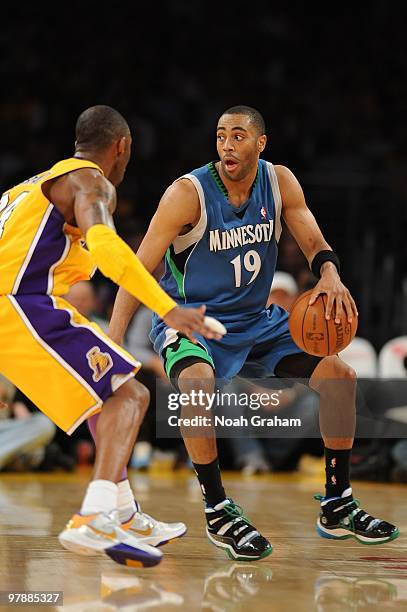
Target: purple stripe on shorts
<point x="48" y="251"/>
<point x="72" y="343"/>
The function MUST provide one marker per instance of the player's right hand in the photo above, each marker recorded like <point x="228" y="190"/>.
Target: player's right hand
<point x="190" y="320"/>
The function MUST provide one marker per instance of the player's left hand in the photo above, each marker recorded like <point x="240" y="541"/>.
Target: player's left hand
<point x="330" y="283"/>
<point x="190" y="321"/>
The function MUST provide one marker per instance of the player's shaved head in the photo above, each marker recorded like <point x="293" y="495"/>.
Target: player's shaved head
<point x="98" y="127"/>
<point x="255" y="117"/>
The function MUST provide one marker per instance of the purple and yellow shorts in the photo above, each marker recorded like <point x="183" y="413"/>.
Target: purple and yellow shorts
<point x="64" y="363"/>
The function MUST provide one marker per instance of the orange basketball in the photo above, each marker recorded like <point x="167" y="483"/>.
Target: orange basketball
<point x="315" y="335"/>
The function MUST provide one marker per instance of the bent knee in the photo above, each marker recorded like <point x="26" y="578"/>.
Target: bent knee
<point x="134" y="393"/>
<point x="334" y="367"/>
<point x="329" y="371"/>
<point x="343" y="370"/>
<point x="198" y="376"/>
<point x="350" y="373"/>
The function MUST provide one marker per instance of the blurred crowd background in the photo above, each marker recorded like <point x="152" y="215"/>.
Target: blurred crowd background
<point x="331" y="86"/>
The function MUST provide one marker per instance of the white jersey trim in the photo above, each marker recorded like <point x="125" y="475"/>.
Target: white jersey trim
<point x="53" y="353"/>
<point x="105" y="339"/>
<point x="31" y="250"/>
<point x="186" y="240"/>
<point x="277" y="199"/>
<point x="57" y="263"/>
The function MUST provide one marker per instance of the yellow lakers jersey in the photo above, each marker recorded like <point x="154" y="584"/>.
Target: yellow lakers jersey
<point x="39" y="252"/>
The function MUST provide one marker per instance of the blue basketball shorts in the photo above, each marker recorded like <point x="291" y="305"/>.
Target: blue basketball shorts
<point x="252" y="347"/>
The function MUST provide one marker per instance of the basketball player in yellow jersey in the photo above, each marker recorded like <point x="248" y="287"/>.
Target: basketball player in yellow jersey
<point x="66" y="365"/>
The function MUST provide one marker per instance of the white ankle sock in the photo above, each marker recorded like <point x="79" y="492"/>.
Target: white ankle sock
<point x="101" y="496"/>
<point x="125" y="501"/>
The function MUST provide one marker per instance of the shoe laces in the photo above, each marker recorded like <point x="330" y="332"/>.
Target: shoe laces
<point x="234" y="511"/>
<point x="152" y="521"/>
<point x="236" y="514"/>
<point x="111" y="520"/>
<point x="373" y="522"/>
<point x="352" y="514"/>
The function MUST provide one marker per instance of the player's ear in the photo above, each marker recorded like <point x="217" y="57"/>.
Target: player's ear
<point x="121" y="145"/>
<point x="261" y="143"/>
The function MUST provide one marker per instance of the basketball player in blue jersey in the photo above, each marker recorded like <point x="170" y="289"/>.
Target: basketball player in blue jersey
<point x="218" y="228"/>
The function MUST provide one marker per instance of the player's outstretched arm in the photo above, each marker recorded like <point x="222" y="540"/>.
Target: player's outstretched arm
<point x="178" y="207"/>
<point x="305" y="230"/>
<point x="94" y="203"/>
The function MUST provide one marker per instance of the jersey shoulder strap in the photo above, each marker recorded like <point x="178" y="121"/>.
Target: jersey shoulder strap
<point x="62" y="167"/>
<point x="68" y="165"/>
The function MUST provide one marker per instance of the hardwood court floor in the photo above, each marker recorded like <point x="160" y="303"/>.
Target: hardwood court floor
<point x="304" y="573"/>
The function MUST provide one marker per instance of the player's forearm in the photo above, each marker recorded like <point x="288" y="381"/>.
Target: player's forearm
<point x="124" y="308"/>
<point x="117" y="261"/>
<point x="313" y="246"/>
<point x="322" y="260"/>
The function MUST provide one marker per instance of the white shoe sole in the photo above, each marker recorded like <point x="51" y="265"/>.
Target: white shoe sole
<point x="80" y="544"/>
<point x="344" y="534"/>
<point x="119" y="551"/>
<point x="232" y="553"/>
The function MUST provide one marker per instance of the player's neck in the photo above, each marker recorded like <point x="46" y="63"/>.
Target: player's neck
<point x="238" y="191"/>
<point x="97" y="158"/>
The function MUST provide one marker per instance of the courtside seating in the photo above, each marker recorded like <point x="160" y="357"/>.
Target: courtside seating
<point x="393" y="358"/>
<point x="362" y="357"/>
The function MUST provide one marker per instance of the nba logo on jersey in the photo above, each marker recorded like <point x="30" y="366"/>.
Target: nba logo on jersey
<point x="263" y="212"/>
<point x="99" y="362"/>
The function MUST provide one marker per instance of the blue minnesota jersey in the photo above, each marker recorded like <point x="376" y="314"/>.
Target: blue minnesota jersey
<point x="227" y="261"/>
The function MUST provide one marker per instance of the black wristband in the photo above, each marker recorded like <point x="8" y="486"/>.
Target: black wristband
<point x="322" y="257"/>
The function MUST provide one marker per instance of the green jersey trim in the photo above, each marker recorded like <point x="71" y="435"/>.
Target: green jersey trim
<point x="179" y="277"/>
<point x="184" y="348"/>
<point x="216" y="177"/>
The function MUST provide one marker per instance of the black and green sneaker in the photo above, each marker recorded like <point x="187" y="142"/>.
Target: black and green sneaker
<point x="228" y="528"/>
<point x="342" y="518"/>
